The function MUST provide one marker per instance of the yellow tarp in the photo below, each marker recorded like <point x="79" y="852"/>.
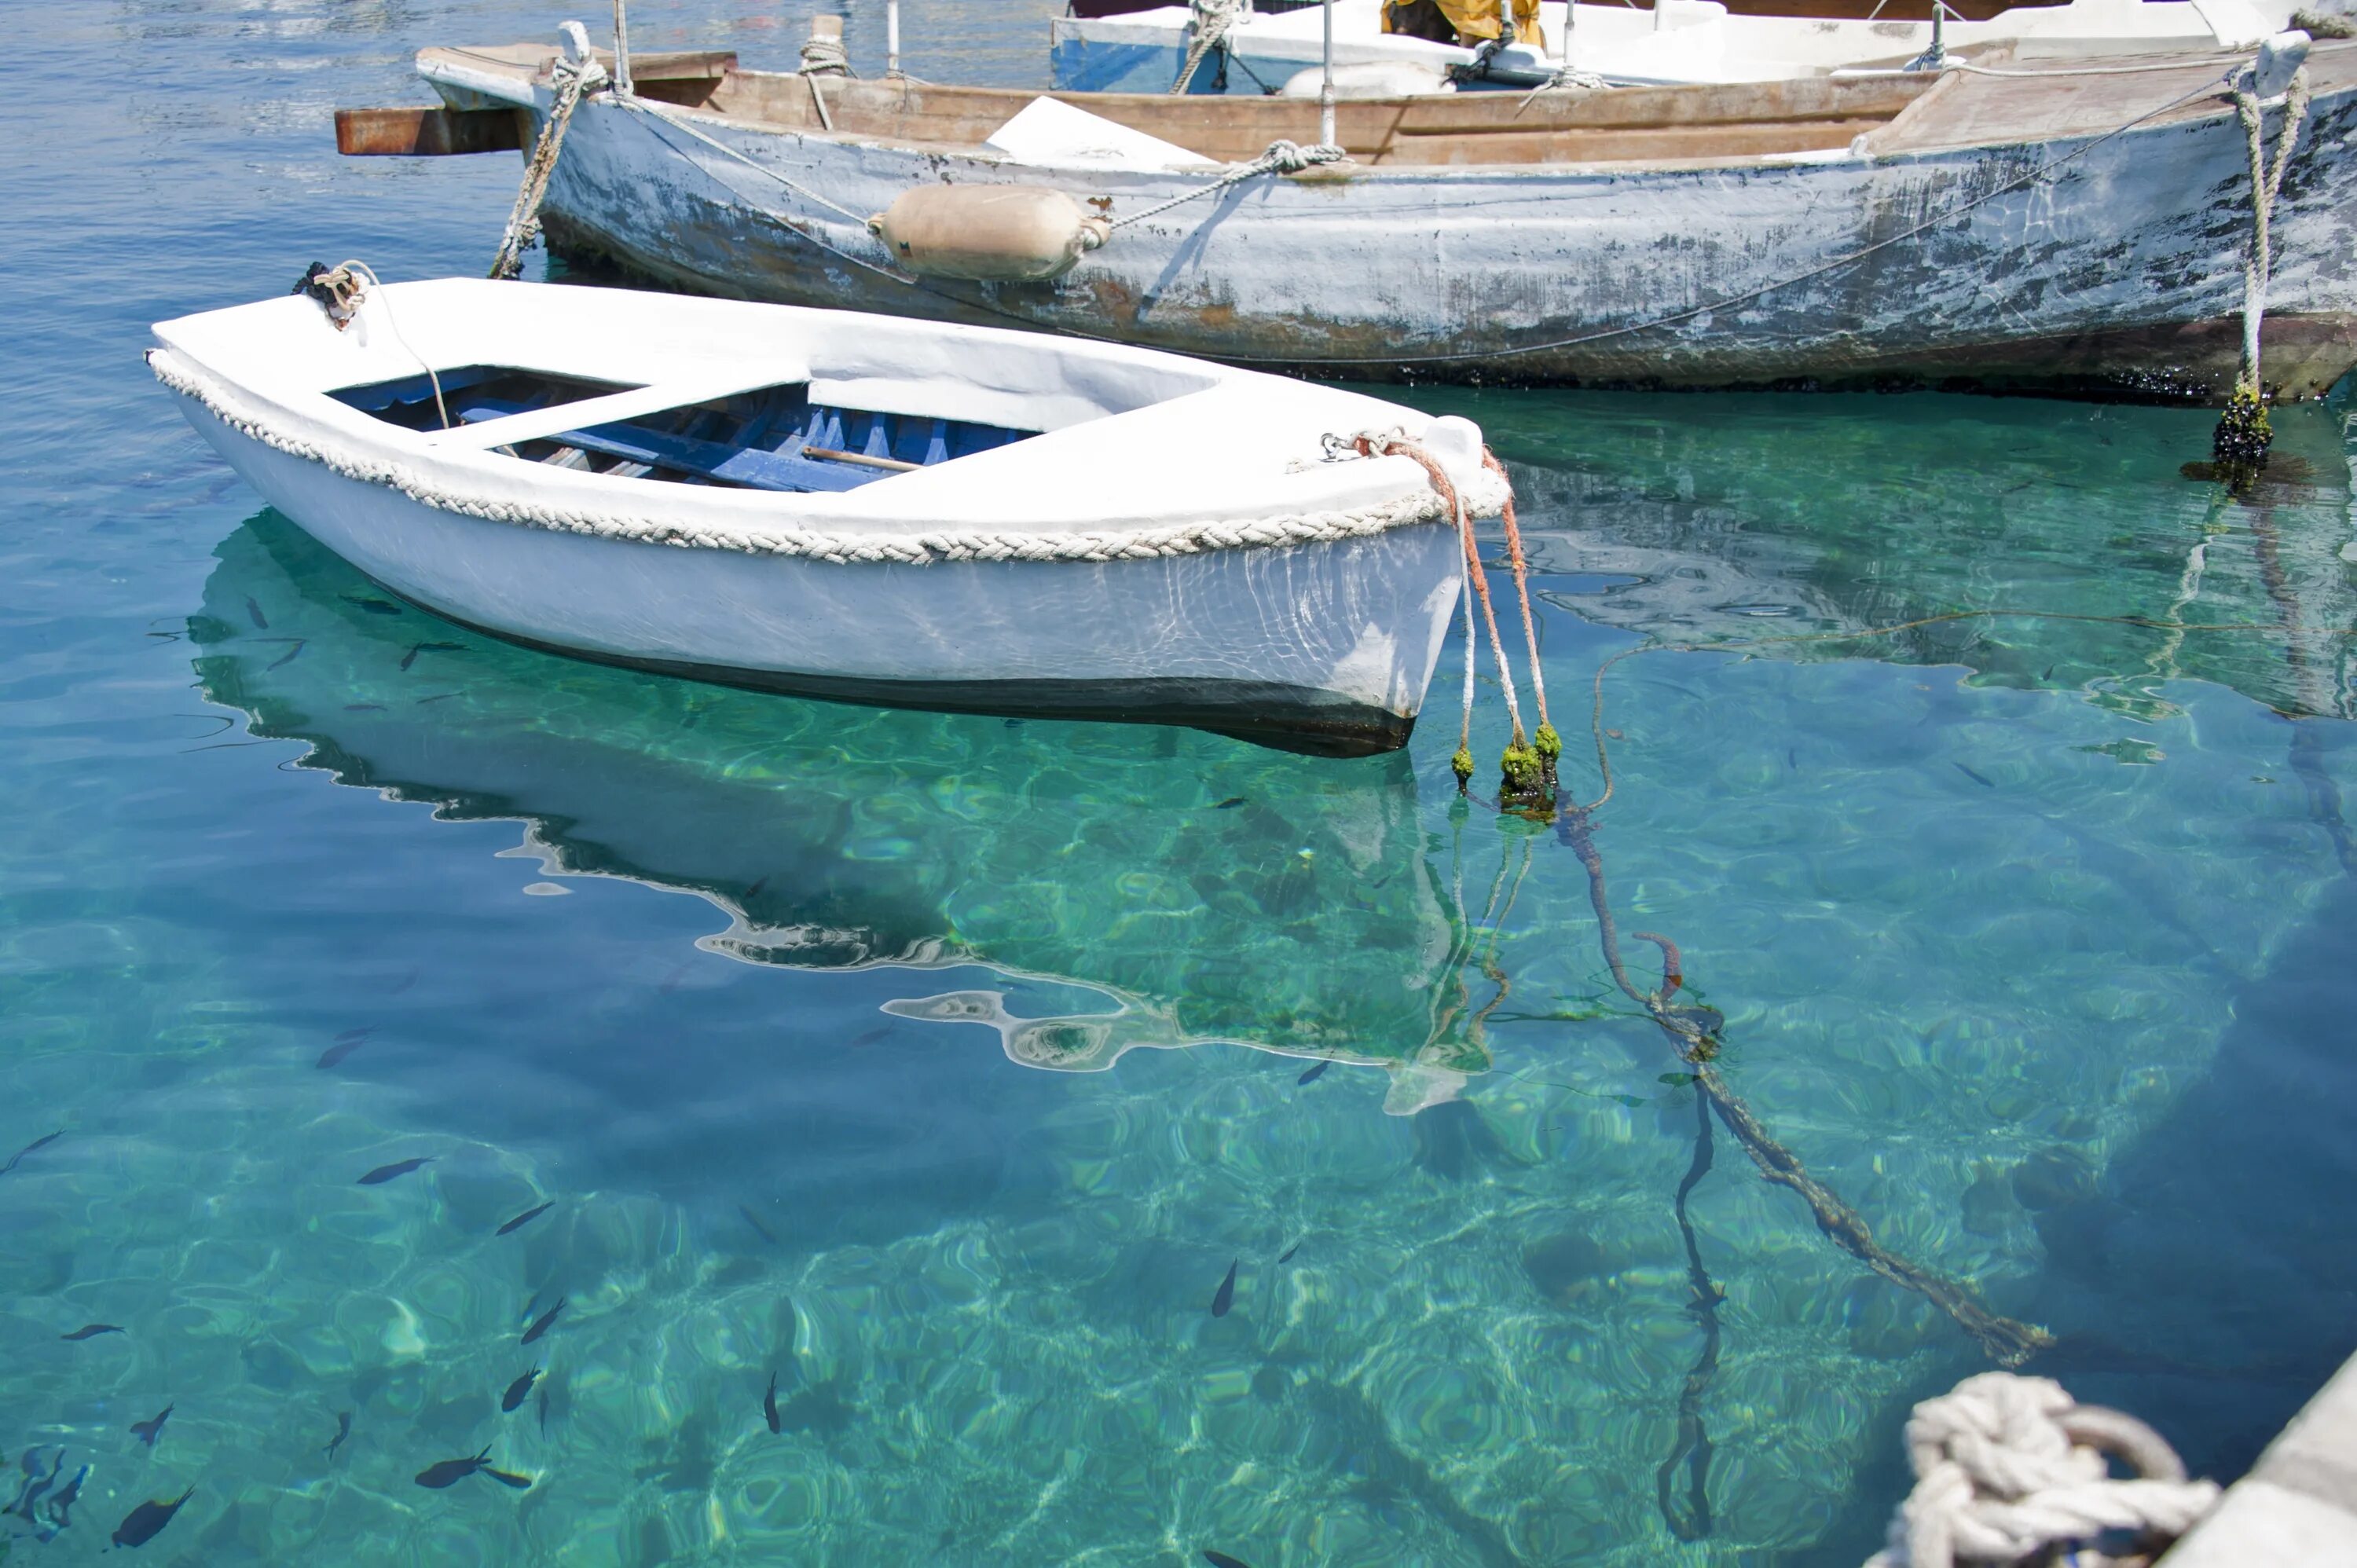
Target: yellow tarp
<point x="1477" y="19"/>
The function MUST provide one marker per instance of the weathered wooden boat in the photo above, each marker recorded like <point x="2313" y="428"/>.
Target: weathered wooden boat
<point x="1145" y="48"/>
<point x="876" y="509"/>
<point x="2075" y="230"/>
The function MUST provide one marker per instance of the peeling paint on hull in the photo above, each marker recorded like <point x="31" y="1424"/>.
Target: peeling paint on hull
<point x="2115" y="273"/>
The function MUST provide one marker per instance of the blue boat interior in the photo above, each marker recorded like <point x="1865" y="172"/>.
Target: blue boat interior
<point x="772" y="439"/>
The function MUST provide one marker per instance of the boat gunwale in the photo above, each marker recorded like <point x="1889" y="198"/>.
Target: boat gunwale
<point x="1885" y="137"/>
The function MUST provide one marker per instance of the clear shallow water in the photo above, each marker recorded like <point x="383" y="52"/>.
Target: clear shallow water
<point x="2029" y="934"/>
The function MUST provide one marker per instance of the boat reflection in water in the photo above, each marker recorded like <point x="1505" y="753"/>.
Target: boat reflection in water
<point x="1213" y="890"/>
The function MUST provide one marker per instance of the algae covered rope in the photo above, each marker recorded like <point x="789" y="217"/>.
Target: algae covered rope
<point x="2008" y="1342"/>
<point x="2238" y="448"/>
<point x="574" y="78"/>
<point x="1519" y="766"/>
<point x="1692" y="1447"/>
<point x="1546" y="746"/>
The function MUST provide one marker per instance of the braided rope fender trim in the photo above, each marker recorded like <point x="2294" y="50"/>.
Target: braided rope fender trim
<point x="1484" y="497"/>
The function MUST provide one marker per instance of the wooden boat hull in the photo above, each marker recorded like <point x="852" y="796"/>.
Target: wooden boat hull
<point x="1920" y="251"/>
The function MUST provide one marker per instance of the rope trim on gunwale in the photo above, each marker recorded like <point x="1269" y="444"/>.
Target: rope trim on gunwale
<point x="1484" y="497"/>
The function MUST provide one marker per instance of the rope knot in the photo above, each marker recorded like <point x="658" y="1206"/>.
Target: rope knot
<point x="2009" y="1467"/>
<point x="1292" y="157"/>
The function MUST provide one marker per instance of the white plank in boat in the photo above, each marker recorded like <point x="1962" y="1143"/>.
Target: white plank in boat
<point x="536" y="424"/>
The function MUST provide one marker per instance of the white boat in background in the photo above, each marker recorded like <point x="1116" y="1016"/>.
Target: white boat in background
<point x="1144" y="50"/>
<point x="851" y="506"/>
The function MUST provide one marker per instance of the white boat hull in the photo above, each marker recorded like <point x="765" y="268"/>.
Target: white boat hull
<point x="1324" y="646"/>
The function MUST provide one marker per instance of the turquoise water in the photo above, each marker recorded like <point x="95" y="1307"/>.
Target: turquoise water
<point x="942" y="1066"/>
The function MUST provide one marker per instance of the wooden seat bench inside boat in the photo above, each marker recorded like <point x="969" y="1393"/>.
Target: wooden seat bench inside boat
<point x="765" y="437"/>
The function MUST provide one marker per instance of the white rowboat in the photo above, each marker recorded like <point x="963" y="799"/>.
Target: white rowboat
<point x="870" y="509"/>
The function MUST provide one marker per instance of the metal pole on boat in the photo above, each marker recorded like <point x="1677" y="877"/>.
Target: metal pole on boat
<point x="621" y="51"/>
<point x="1326" y="87"/>
<point x="891" y="37"/>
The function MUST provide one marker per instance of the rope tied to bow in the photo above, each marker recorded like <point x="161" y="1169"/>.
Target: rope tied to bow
<point x="575" y="75"/>
<point x="2009" y="1468"/>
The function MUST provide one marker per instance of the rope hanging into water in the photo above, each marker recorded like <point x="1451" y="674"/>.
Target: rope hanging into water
<point x="1545" y="741"/>
<point x="2239" y="446"/>
<point x="1519" y="766"/>
<point x="2011" y="1470"/>
<point x="574" y="77"/>
<point x="1210" y="21"/>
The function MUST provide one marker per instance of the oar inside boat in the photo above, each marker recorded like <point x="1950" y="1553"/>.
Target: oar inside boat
<point x="872" y="508"/>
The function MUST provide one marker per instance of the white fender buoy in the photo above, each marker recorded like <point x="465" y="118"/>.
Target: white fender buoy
<point x="987" y="233"/>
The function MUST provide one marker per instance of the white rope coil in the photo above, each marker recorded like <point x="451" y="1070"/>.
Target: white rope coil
<point x="826" y="56"/>
<point x="1483" y="496"/>
<point x="2008" y="1467"/>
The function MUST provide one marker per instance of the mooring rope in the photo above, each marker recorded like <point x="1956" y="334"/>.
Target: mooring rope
<point x="1692" y="1447"/>
<point x="2239" y="446"/>
<point x="574" y="78"/>
<point x="1519" y="765"/>
<point x="2013" y="1470"/>
<point x="1209" y="21"/>
<point x="1282" y="157"/>
<point x="1544" y="740"/>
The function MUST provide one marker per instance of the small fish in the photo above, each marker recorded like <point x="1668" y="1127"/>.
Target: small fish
<point x="254" y="613"/>
<point x="1221" y="1559"/>
<point x="755" y="890"/>
<point x="34" y="1482"/>
<point x="770" y="1404"/>
<point x="1225" y="1296"/>
<point x="755" y="1221"/>
<point x="383" y="1174"/>
<point x="36" y="1143"/>
<point x="517" y="1390"/>
<point x="363" y="707"/>
<point x="526" y="1217"/>
<point x="338" y="1051"/>
<point x="140" y="1525"/>
<point x="450" y="1472"/>
<point x="410" y="657"/>
<point x="1014" y="724"/>
<point x="403" y="984"/>
<point x="150" y="1430"/>
<point x="1229" y="804"/>
<point x="1793" y="758"/>
<point x="61" y="1504"/>
<point x="1315" y="1072"/>
<point x="539" y="1324"/>
<point x="1287" y="1256"/>
<point x="288" y="657"/>
<point x="437" y="697"/>
<point x="509" y="1478"/>
<point x="1980" y="778"/>
<point x="343" y="1430"/>
<point x="92" y="1331"/>
<point x="542" y="1403"/>
<point x="373" y="606"/>
<point x="2049" y="673"/>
